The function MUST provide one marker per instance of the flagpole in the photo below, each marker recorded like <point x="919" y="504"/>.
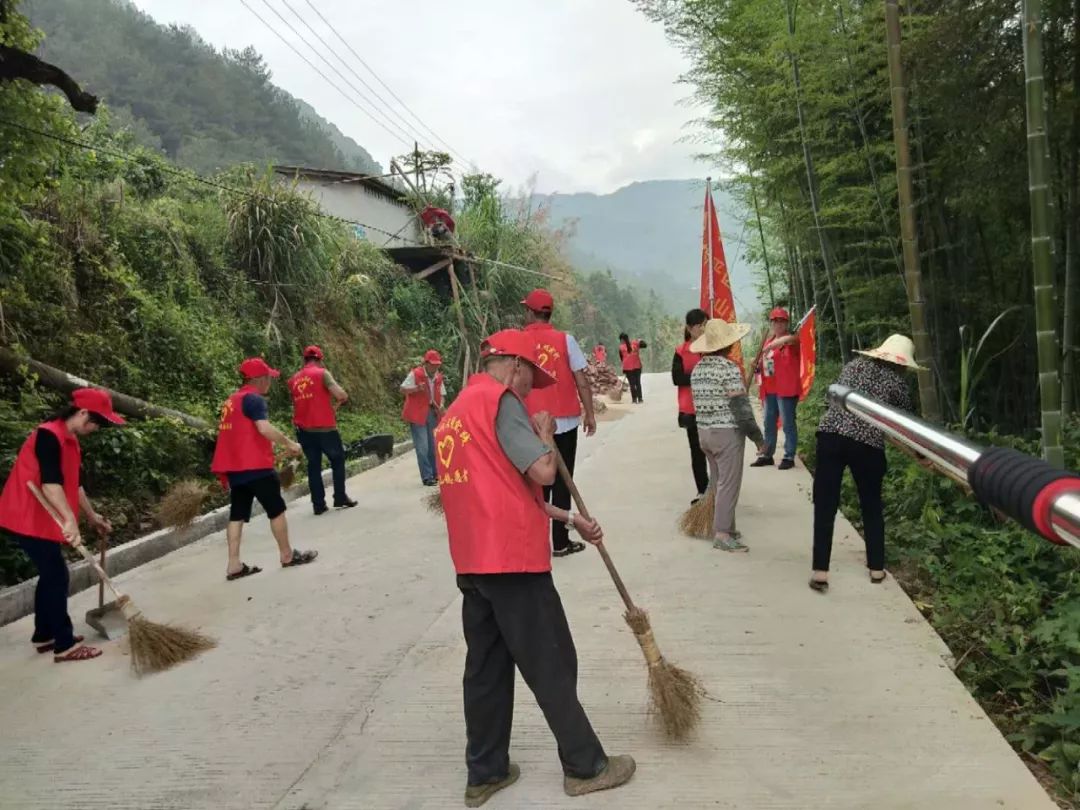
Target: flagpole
<point x="708" y="224"/>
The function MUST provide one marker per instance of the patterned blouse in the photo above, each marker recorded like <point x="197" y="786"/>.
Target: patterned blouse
<point x="884" y="382"/>
<point x="712" y="382"/>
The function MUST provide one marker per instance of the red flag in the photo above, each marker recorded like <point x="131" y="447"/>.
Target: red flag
<point x="716" y="295"/>
<point x="807" y="353"/>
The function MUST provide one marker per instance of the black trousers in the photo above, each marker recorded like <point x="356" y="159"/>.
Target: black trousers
<point x="834" y="453"/>
<point x="316" y="444"/>
<point x="518" y="619"/>
<point x="634" y="378"/>
<point x="699" y="465"/>
<point x="51" y="619"/>
<point x="558" y="494"/>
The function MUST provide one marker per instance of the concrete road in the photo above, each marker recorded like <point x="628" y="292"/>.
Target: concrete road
<point x="338" y="685"/>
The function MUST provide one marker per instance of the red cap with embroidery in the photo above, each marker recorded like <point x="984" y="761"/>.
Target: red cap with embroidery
<point x="515" y="343"/>
<point x="257" y="367"/>
<point x="433" y="357"/>
<point x="539" y="301"/>
<point x="97" y="402"/>
<point x="313" y="353"/>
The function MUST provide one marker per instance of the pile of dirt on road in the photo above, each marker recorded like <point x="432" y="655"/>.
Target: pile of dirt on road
<point x="599" y="406"/>
<point x="604" y="380"/>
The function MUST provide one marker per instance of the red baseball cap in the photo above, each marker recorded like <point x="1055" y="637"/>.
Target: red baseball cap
<point x="313" y="352"/>
<point x="257" y="367"/>
<point x="433" y="357"/>
<point x="516" y="343"/>
<point x="539" y="301"/>
<point x="779" y="314"/>
<point x="97" y="402"/>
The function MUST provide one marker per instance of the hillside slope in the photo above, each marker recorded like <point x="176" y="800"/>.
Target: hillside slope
<point x="650" y="233"/>
<point x="206" y="109"/>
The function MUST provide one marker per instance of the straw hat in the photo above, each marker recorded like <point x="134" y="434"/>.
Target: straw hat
<point x="898" y="350"/>
<point x="719" y="335"/>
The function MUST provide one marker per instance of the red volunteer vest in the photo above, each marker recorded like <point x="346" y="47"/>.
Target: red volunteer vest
<point x="417" y="405"/>
<point x="689" y="360"/>
<point x="240" y="447"/>
<point x="560" y="399"/>
<point x="600" y="353"/>
<point x="20" y="511"/>
<point x="631" y="360"/>
<point x="312" y="407"/>
<point x="493" y="514"/>
<point x="786" y="380"/>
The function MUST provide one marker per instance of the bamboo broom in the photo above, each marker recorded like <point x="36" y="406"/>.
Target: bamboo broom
<point x="674" y="694"/>
<point x="154" y="646"/>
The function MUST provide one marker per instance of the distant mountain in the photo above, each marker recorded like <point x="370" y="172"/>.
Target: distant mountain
<point x="650" y="233"/>
<point x="206" y="109"/>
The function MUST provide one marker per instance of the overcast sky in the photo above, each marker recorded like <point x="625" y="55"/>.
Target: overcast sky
<point x="581" y="93"/>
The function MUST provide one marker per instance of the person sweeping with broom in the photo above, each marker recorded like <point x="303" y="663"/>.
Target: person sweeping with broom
<point x="492" y="462"/>
<point x="244" y="463"/>
<point x="51" y="460"/>
<point x="315" y="394"/>
<point x="561" y="356"/>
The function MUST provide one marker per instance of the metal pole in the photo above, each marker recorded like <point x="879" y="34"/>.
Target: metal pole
<point x="954" y="454"/>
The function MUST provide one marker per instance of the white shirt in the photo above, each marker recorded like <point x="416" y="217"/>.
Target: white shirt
<point x="564" y="424"/>
<point x="410" y="382"/>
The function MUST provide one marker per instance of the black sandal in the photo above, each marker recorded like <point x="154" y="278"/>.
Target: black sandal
<point x="300" y="558"/>
<point x="572" y="548"/>
<point x="819" y="585"/>
<point x="245" y="571"/>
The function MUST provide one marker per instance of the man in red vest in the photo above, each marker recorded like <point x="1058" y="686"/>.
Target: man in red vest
<point x="561" y="356"/>
<point x="315" y="395"/>
<point x="682" y="364"/>
<point x="244" y="463"/>
<point x="51" y="459"/>
<point x="493" y="461"/>
<point x="781" y="382"/>
<point x="425" y="392"/>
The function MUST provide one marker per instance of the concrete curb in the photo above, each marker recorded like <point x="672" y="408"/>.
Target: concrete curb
<point x="18" y="600"/>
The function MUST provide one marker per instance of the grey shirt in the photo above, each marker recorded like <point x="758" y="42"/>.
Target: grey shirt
<point x="516" y="435"/>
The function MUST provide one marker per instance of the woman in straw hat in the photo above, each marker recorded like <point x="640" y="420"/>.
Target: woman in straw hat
<point x="724" y="423"/>
<point x="844" y="441"/>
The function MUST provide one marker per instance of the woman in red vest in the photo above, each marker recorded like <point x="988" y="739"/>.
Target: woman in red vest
<point x="681" y="365"/>
<point x="425" y="392"/>
<point x="600" y="353"/>
<point x="315" y="395"/>
<point x="493" y="462"/>
<point x="52" y="460"/>
<point x="781" y="383"/>
<point x="630" y="352"/>
<point x="244" y="463"/>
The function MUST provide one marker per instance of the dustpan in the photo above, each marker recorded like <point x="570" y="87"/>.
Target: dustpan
<point x="108" y="617"/>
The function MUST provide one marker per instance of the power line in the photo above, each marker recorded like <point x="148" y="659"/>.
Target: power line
<point x="324" y="76"/>
<point x="408" y="133"/>
<point x="395" y="96"/>
<point x="410" y="128"/>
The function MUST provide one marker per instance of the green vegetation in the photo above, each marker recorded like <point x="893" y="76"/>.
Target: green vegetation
<point x="119" y="267"/>
<point x="798" y="93"/>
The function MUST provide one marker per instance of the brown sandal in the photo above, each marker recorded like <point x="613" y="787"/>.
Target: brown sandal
<point x="77" y="653"/>
<point x="47" y="646"/>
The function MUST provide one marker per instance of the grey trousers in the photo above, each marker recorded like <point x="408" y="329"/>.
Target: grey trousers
<point x="724" y="448"/>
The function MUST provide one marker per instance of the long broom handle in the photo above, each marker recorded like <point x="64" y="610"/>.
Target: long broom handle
<point x="580" y="503"/>
<point x="48" y="507"/>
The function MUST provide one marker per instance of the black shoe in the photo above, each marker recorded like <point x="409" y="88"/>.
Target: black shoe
<point x="431" y="483"/>
<point x="348" y="503"/>
<point x="787" y="464"/>
<point x="320" y="510"/>
<point x="763" y="461"/>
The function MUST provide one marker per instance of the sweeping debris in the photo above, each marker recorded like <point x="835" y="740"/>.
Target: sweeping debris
<point x="154" y="646"/>
<point x="434" y="502"/>
<point x="182" y="504"/>
<point x="603" y="380"/>
<point x="674" y="694"/>
<point x="697" y="521"/>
